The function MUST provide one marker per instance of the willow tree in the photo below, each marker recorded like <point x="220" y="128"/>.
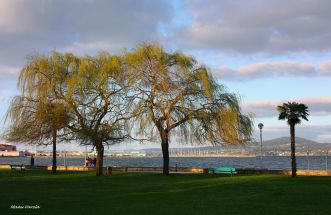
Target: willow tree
<point x="35" y="116"/>
<point x="35" y="123"/>
<point x="91" y="91"/>
<point x="176" y="95"/>
<point x="96" y="93"/>
<point x="293" y="112"/>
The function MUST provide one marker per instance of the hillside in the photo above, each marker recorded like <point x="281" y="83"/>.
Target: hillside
<point x="286" y="140"/>
<point x="277" y="144"/>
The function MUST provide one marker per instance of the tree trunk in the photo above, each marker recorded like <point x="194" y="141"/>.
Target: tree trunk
<point x="294" y="164"/>
<point x="54" y="133"/>
<point x="165" y="152"/>
<point x="99" y="164"/>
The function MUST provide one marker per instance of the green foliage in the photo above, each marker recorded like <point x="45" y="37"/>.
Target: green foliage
<point x="97" y="100"/>
<point x="36" y="112"/>
<point x="293" y="112"/>
<point x="84" y="97"/>
<point x="175" y="93"/>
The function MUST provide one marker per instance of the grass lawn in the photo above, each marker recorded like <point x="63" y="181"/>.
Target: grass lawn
<point x="151" y="193"/>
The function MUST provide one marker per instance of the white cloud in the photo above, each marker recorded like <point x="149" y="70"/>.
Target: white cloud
<point x="14" y="18"/>
<point x="273" y="69"/>
<point x="7" y="72"/>
<point x="324" y="138"/>
<point x="43" y="25"/>
<point x="325" y="67"/>
<point x="91" y="47"/>
<point x="258" y="26"/>
<point x="319" y="133"/>
<point x="322" y="128"/>
<point x="267" y="108"/>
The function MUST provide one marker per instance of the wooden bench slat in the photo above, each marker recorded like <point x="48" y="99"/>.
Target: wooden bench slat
<point x="223" y="170"/>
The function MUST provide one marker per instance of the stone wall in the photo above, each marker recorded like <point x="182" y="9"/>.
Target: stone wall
<point x="109" y="170"/>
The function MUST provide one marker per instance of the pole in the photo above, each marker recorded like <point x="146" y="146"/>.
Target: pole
<point x="35" y="156"/>
<point x="308" y="165"/>
<point x="85" y="155"/>
<point x="326" y="160"/>
<point x="65" y="158"/>
<point x="261" y="148"/>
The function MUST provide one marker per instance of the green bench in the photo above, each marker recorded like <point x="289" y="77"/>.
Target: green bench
<point x="17" y="167"/>
<point x="223" y="170"/>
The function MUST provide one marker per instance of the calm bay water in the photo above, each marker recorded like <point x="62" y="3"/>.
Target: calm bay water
<point x="269" y="162"/>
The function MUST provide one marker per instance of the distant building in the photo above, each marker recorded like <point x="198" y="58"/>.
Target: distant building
<point x="125" y="153"/>
<point x="9" y="150"/>
<point x="6" y="147"/>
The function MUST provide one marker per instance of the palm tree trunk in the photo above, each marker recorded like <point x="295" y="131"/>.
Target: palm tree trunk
<point x="294" y="164"/>
<point x="99" y="164"/>
<point x="54" y="133"/>
<point x="165" y="152"/>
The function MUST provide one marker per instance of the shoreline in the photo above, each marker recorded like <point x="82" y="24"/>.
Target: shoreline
<point x="171" y="156"/>
<point x="174" y="170"/>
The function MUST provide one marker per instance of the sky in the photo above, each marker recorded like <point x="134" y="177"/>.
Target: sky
<point x="266" y="51"/>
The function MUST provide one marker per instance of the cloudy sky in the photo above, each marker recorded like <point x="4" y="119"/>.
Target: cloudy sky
<point x="269" y="52"/>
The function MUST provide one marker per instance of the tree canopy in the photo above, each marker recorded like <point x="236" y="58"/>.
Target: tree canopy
<point x="86" y="94"/>
<point x="174" y="92"/>
<point x="293" y="112"/>
<point x="144" y="93"/>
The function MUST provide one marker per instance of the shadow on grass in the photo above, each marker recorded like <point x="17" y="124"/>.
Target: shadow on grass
<point x="152" y="193"/>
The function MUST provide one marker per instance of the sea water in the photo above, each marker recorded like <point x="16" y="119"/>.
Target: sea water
<point x="268" y="162"/>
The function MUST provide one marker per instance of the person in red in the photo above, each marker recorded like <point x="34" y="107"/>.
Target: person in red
<point x="86" y="162"/>
<point x="89" y="161"/>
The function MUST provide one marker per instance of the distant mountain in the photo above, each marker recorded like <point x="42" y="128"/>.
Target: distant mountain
<point x="286" y="141"/>
<point x="277" y="144"/>
<point x="283" y="143"/>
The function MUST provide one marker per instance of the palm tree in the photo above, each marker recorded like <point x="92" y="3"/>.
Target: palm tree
<point x="293" y="112"/>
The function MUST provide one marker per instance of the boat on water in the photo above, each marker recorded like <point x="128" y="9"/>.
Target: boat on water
<point x="7" y="150"/>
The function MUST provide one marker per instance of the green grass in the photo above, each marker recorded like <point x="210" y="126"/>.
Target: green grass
<point x="151" y="193"/>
